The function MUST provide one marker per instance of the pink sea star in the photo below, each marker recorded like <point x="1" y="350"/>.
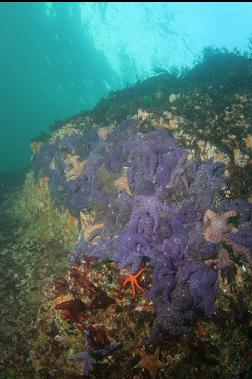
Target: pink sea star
<point x="217" y="225"/>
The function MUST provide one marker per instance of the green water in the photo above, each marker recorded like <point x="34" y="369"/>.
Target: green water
<point x="84" y="68"/>
<point x="49" y="69"/>
<point x="57" y="59"/>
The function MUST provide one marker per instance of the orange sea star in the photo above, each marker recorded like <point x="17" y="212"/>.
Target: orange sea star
<point x="134" y="283"/>
<point x="151" y="363"/>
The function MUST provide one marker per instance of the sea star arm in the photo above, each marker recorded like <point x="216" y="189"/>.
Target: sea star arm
<point x="133" y="280"/>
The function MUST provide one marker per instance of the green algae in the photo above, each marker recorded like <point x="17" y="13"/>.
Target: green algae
<point x="35" y="209"/>
<point x="36" y="253"/>
<point x="234" y="220"/>
<point x="107" y="179"/>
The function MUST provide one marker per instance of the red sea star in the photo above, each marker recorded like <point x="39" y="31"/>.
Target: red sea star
<point x="133" y="280"/>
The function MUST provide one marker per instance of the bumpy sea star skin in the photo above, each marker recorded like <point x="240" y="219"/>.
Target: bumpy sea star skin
<point x="169" y="214"/>
<point x="202" y="288"/>
<point x="243" y="209"/>
<point x="208" y="181"/>
<point x="243" y="236"/>
<point x="133" y="246"/>
<point x="164" y="280"/>
<point x="150" y="205"/>
<point x="169" y="170"/>
<point x="217" y="225"/>
<point x="151" y="363"/>
<point x="174" y="318"/>
<point x="148" y="164"/>
<point x="222" y="262"/>
<point x="241" y="242"/>
<point x="132" y="279"/>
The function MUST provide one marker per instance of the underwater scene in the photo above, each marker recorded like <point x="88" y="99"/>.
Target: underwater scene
<point x="126" y="190"/>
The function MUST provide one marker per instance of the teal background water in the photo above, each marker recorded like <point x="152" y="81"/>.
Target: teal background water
<point x="57" y="59"/>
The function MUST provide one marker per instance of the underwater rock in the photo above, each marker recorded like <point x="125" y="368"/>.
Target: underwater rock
<point x="93" y="354"/>
<point x="98" y="178"/>
<point x="173" y="225"/>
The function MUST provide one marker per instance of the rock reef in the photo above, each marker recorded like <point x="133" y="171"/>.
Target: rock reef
<point x="134" y="241"/>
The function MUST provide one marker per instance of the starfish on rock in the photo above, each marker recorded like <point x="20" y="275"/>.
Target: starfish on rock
<point x="134" y="283"/>
<point x="217" y="225"/>
<point x="151" y="363"/>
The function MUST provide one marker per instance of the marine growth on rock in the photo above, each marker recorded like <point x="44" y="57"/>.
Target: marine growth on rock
<point x="169" y="214"/>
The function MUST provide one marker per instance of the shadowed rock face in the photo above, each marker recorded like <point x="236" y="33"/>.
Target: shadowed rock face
<point x="163" y="209"/>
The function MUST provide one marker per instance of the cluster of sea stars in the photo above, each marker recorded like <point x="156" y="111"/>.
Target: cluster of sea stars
<point x="170" y="217"/>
